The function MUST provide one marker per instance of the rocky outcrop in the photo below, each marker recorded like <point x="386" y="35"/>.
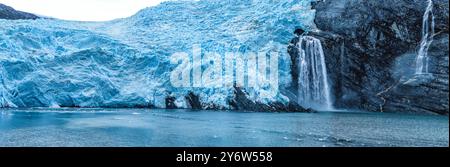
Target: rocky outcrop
<point x="242" y="102"/>
<point x="370" y="49"/>
<point x="194" y="101"/>
<point x="9" y="13"/>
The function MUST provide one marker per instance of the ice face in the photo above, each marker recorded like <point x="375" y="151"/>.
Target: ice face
<point x="125" y="62"/>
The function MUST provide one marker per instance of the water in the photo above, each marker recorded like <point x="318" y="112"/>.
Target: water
<point x="427" y="38"/>
<point x="141" y="127"/>
<point x="314" y="89"/>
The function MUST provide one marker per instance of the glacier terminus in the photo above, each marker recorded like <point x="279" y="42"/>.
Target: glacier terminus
<point x="126" y="62"/>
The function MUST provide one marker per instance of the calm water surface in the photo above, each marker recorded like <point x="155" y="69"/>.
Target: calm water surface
<point x="173" y="128"/>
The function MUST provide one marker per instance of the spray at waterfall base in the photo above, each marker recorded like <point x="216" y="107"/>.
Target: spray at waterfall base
<point x="255" y="70"/>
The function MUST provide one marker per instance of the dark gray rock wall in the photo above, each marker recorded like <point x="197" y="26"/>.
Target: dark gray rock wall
<point x="371" y="47"/>
<point x="9" y="13"/>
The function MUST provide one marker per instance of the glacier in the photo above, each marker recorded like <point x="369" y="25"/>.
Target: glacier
<point x="125" y="62"/>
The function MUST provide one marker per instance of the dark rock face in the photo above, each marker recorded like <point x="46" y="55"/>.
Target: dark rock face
<point x="170" y="102"/>
<point x="194" y="101"/>
<point x="241" y="102"/>
<point x="427" y="94"/>
<point x="370" y="49"/>
<point x="9" y="13"/>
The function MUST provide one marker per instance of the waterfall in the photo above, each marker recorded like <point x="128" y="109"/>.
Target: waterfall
<point x="427" y="38"/>
<point x="314" y="89"/>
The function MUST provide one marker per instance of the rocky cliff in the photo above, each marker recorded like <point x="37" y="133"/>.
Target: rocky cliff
<point x="371" y="49"/>
<point x="9" y="13"/>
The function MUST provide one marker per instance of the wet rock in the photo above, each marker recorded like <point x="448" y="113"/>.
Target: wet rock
<point x="370" y="49"/>
<point x="194" y="101"/>
<point x="170" y="102"/>
<point x="242" y="102"/>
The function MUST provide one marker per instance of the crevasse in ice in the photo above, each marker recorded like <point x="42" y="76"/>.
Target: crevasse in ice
<point x="125" y="62"/>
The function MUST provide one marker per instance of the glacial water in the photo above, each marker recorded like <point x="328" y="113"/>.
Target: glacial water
<point x="314" y="89"/>
<point x="145" y="127"/>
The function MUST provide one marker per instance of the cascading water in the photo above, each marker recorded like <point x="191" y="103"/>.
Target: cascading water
<point x="314" y="89"/>
<point x="427" y="38"/>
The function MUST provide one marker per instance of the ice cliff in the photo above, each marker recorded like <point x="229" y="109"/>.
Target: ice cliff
<point x="125" y="62"/>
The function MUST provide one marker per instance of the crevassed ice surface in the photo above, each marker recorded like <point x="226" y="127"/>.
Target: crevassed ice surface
<point x="125" y="62"/>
